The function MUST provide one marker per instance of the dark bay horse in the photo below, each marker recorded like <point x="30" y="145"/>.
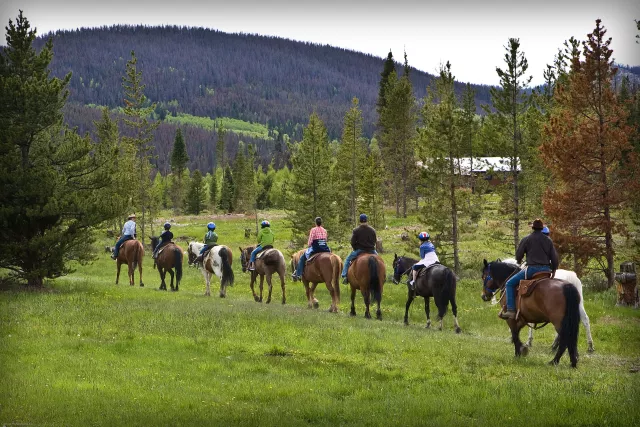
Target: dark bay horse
<point x="271" y="261"/>
<point x="131" y="253"/>
<point x="323" y="267"/>
<point x="367" y="273"/>
<point x="169" y="258"/>
<point x="551" y="301"/>
<point x="438" y="282"/>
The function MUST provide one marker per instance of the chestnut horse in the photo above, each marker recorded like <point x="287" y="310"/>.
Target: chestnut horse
<point x="367" y="273"/>
<point x="323" y="267"/>
<point x="131" y="253"/>
<point x="551" y="301"/>
<point x="271" y="261"/>
<point x="169" y="258"/>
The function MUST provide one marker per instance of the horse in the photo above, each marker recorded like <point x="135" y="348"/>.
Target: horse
<point x="438" y="282"/>
<point x="131" y="253"/>
<point x="169" y="258"/>
<point x="323" y="267"/>
<point x="571" y="277"/>
<point x="551" y="301"/>
<point x="218" y="261"/>
<point x="271" y="261"/>
<point x="367" y="273"/>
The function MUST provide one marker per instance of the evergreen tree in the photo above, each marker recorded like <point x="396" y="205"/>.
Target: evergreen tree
<point x="371" y="187"/>
<point x="352" y="153"/>
<point x="312" y="192"/>
<point x="243" y="173"/>
<point x="196" y="196"/>
<point x="140" y="134"/>
<point x="179" y="160"/>
<point x="388" y="68"/>
<point x="511" y="101"/>
<point x="587" y="148"/>
<point x="54" y="183"/>
<point x="221" y="132"/>
<point x="397" y="139"/>
<point x="228" y="191"/>
<point x="213" y="190"/>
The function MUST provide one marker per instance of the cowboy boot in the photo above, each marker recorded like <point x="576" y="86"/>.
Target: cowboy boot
<point x="509" y="314"/>
<point x="252" y="266"/>
<point x="198" y="259"/>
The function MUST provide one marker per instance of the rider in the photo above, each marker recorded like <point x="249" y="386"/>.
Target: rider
<point x="363" y="239"/>
<point x="540" y="254"/>
<point x="317" y="242"/>
<point x="428" y="256"/>
<point x="210" y="240"/>
<point x="128" y="233"/>
<point x="165" y="238"/>
<point x="265" y="238"/>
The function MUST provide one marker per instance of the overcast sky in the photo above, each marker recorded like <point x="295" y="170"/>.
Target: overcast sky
<point x="470" y="34"/>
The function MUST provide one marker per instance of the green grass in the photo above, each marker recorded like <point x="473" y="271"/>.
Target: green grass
<point x="234" y="125"/>
<point x="87" y="352"/>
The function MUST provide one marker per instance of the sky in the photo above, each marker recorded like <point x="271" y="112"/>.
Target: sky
<point x="472" y="35"/>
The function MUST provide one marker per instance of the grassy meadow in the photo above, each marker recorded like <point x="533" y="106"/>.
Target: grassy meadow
<point x="87" y="352"/>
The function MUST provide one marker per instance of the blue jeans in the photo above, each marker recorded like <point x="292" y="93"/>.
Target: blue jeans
<point x="301" y="263"/>
<point x="349" y="258"/>
<point x="515" y="280"/>
<point x="155" y="251"/>
<point x="254" y="253"/>
<point x="120" y="242"/>
<point x="205" y="248"/>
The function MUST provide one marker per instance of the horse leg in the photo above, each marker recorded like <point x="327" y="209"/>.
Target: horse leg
<point x="270" y="285"/>
<point x="562" y="346"/>
<point x="139" y="273"/>
<point x="530" y="339"/>
<point x="366" y="295"/>
<point x="410" y="298"/>
<point x="281" y="273"/>
<point x="172" y="275"/>
<point x="223" y="290"/>
<point x="307" y="291"/>
<point x="353" y="301"/>
<point x="261" y="286"/>
<point x="163" y="286"/>
<point x="207" y="279"/>
<point x="515" y="326"/>
<point x="118" y="271"/>
<point x="314" y="301"/>
<point x="130" y="273"/>
<point x="587" y="326"/>
<point x="454" y="311"/>
<point x="253" y="281"/>
<point x="427" y="310"/>
<point x="327" y="276"/>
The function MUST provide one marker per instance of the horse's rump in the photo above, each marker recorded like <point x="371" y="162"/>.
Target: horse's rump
<point x="269" y="256"/>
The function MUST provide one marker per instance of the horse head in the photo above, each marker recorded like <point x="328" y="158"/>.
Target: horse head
<point x="245" y="255"/>
<point x="494" y="275"/>
<point x="401" y="265"/>
<point x="154" y="241"/>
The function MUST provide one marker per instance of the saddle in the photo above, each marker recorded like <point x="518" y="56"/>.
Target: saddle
<point x="264" y="251"/>
<point x="423" y="270"/>
<point x="525" y="289"/>
<point x="314" y="255"/>
<point x="165" y="247"/>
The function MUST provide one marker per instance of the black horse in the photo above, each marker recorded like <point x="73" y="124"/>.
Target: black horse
<point x="438" y="282"/>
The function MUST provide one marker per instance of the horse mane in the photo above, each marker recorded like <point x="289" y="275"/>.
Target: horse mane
<point x="501" y="270"/>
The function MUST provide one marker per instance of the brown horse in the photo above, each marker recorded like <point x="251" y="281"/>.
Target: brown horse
<point x="169" y="258"/>
<point x="271" y="261"/>
<point x="367" y="273"/>
<point x="131" y="253"/>
<point x="551" y="301"/>
<point x="323" y="267"/>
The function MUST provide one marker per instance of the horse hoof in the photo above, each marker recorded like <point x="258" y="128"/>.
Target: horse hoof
<point x="222" y="295"/>
<point x="316" y="304"/>
<point x="352" y="314"/>
<point x="256" y="299"/>
<point x="524" y="351"/>
<point x="379" y="317"/>
<point x="141" y="285"/>
<point x="590" y="349"/>
<point x="284" y="301"/>
<point x="458" y="330"/>
<point x="553" y="362"/>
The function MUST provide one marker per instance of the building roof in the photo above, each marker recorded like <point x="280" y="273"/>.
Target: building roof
<point x="484" y="164"/>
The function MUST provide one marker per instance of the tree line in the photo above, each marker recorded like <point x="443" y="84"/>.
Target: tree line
<point x="571" y="148"/>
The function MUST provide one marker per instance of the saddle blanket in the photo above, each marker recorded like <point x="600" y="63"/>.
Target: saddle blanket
<point x="424" y="270"/>
<point x="165" y="247"/>
<point x="264" y="252"/>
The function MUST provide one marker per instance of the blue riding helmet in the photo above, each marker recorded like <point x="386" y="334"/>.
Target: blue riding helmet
<point x="167" y="226"/>
<point x="545" y="230"/>
<point x="424" y="236"/>
<point x="265" y="223"/>
<point x="211" y="226"/>
<point x="363" y="218"/>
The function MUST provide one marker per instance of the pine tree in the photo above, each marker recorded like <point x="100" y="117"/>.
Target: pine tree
<point x="179" y="160"/>
<point x="137" y="112"/>
<point x="312" y="192"/>
<point x="213" y="190"/>
<point x="54" y="183"/>
<point x="371" y="187"/>
<point x="352" y="153"/>
<point x="388" y="68"/>
<point x="228" y="191"/>
<point x="511" y="101"/>
<point x="398" y="120"/>
<point x="196" y="196"/>
<point x="587" y="148"/>
<point x="221" y="132"/>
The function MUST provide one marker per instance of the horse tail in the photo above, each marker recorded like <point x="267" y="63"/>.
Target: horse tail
<point x="336" y="264"/>
<point x="571" y="320"/>
<point x="136" y="254"/>
<point x="227" y="271"/>
<point x="177" y="252"/>
<point x="444" y="292"/>
<point x="374" y="281"/>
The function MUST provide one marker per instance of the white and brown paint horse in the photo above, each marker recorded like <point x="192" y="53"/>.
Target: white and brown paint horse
<point x="217" y="261"/>
<point x="571" y="277"/>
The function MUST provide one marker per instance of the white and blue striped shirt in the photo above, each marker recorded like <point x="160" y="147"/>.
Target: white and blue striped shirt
<point x="129" y="228"/>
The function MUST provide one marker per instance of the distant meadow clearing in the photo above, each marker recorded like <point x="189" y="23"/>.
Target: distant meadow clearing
<point x="87" y="352"/>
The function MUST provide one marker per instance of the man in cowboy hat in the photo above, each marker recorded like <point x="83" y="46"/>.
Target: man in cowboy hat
<point x="128" y="233"/>
<point x="541" y="256"/>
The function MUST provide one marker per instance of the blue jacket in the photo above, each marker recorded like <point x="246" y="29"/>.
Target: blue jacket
<point x="425" y="248"/>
